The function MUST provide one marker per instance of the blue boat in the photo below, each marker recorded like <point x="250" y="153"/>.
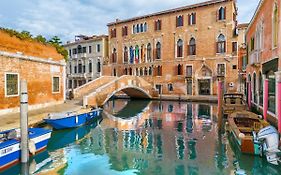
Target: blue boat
<point x="71" y="119"/>
<point x="10" y="144"/>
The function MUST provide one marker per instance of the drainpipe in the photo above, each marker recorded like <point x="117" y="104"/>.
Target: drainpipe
<point x="265" y="99"/>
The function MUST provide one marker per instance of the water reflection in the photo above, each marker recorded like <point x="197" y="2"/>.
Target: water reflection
<point x="151" y="137"/>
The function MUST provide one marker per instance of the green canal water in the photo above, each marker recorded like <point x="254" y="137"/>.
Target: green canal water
<point x="147" y="138"/>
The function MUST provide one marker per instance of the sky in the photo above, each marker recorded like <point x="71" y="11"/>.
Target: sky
<point x="67" y="18"/>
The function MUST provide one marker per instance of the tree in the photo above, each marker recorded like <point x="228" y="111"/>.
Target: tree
<point x="55" y="41"/>
<point x="25" y="35"/>
<point x="40" y="39"/>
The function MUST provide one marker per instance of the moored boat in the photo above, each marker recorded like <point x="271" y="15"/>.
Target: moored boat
<point x="10" y="144"/>
<point x="244" y="126"/>
<point x="71" y="119"/>
<point x="233" y="102"/>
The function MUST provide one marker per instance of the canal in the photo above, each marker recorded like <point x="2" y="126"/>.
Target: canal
<point x="147" y="138"/>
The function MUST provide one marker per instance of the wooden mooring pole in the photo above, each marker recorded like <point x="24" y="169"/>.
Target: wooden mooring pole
<point x="220" y="103"/>
<point x="24" y="126"/>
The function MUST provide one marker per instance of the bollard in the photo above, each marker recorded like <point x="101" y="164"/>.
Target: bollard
<point x="24" y="121"/>
<point x="265" y="99"/>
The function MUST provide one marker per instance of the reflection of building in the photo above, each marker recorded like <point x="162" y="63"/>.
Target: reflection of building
<point x="263" y="39"/>
<point x="180" y="51"/>
<point x="85" y="59"/>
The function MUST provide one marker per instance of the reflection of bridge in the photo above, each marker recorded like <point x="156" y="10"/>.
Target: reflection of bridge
<point x="99" y="91"/>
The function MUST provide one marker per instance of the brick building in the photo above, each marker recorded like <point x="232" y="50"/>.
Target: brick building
<point x="264" y="65"/>
<point x="180" y="51"/>
<point x="85" y="59"/>
<point x="40" y="65"/>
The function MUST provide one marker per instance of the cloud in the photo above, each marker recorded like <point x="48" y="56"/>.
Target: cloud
<point x="67" y="18"/>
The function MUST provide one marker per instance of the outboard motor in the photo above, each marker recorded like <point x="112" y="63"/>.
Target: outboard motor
<point x="269" y="139"/>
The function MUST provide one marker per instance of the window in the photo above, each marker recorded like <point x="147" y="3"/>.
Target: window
<point x="260" y="89"/>
<point x="192" y="47"/>
<point x="275" y="25"/>
<point x="114" y="56"/>
<point x="134" y="29"/>
<point x="192" y="19"/>
<point x="79" y="48"/>
<point x="234" y="66"/>
<point x="84" y="69"/>
<point x="74" y="51"/>
<point x="234" y="47"/>
<point x="11" y="84"/>
<point x="90" y="49"/>
<point x="221" y="44"/>
<point x="179" y="21"/>
<point x="75" y="69"/>
<point x="188" y="72"/>
<point x="179" y="69"/>
<point x="98" y="66"/>
<point x="245" y="62"/>
<point x="90" y="66"/>
<point x="221" y="69"/>
<point x="125" y="31"/>
<point x="98" y="47"/>
<point x="141" y="27"/>
<point x="159" y="71"/>
<point x="150" y="71"/>
<point x="132" y="55"/>
<point x="145" y="27"/>
<point x="170" y="87"/>
<point x="148" y="50"/>
<point x="56" y="84"/>
<point x="84" y="49"/>
<point x="125" y="54"/>
<point x="113" y="33"/>
<point x="222" y="13"/>
<point x="138" y="28"/>
<point x="170" y="108"/>
<point x="158" y="50"/>
<point x="252" y="43"/>
<point x="69" y="52"/>
<point x="179" y="48"/>
<point x="70" y="68"/>
<point x="80" y="66"/>
<point x="158" y="25"/>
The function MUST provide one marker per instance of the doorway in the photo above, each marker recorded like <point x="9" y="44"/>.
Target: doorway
<point x="204" y="86"/>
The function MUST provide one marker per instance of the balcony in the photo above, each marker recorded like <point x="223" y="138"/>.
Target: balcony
<point x="255" y="58"/>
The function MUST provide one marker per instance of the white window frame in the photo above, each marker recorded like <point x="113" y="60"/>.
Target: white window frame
<point x="55" y="76"/>
<point x="98" y="51"/>
<point x="190" y="65"/>
<point x="5" y="84"/>
<point x="224" y="68"/>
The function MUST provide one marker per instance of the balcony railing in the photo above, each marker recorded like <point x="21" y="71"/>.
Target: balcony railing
<point x="255" y="57"/>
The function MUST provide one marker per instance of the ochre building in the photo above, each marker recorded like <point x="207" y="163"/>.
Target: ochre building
<point x="182" y="51"/>
<point x="40" y="65"/>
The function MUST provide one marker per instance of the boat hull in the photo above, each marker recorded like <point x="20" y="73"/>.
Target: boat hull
<point x="10" y="150"/>
<point x="72" y="121"/>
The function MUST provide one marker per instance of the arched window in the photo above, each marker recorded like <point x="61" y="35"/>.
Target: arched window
<point x="159" y="71"/>
<point x="134" y="29"/>
<point x="130" y="71"/>
<point x="145" y="71"/>
<point x="179" y="69"/>
<point x="275" y="25"/>
<point x="145" y="27"/>
<point x="260" y="89"/>
<point x="138" y="28"/>
<point x="148" y="50"/>
<point x="271" y="91"/>
<point x="141" y="27"/>
<point x="79" y="48"/>
<point x="98" y="66"/>
<point x="131" y="55"/>
<point x="137" y="71"/>
<point x="114" y="55"/>
<point x="179" y="48"/>
<point x="90" y="66"/>
<point x="255" y="87"/>
<point x="137" y="54"/>
<point x="126" y="71"/>
<point x="150" y="71"/>
<point x="222" y="13"/>
<point x="141" y="72"/>
<point x="114" y="72"/>
<point x="125" y="54"/>
<point x="192" y="47"/>
<point x="221" y="44"/>
<point x="179" y="21"/>
<point x="158" y="50"/>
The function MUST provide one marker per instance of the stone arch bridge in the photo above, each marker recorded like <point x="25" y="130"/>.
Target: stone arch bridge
<point x="97" y="92"/>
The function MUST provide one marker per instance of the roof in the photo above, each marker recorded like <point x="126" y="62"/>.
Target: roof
<point x="12" y="44"/>
<point x="243" y="25"/>
<point x="86" y="40"/>
<point x="211" y="2"/>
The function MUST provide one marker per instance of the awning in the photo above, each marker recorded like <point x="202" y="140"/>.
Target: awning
<point x="270" y="65"/>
